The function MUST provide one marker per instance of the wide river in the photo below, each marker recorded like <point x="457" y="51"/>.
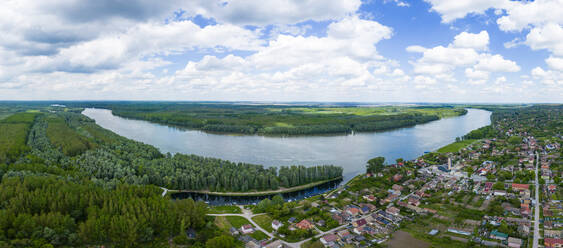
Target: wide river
<point x="349" y="151"/>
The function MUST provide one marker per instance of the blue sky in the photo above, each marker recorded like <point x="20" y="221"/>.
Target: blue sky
<point x="315" y="50"/>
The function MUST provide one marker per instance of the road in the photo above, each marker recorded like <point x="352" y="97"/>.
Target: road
<point x="247" y="214"/>
<point x="537" y="207"/>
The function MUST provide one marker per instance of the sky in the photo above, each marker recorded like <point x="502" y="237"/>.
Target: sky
<point x="489" y="51"/>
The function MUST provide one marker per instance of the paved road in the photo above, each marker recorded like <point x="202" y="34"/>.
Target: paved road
<point x="537" y="207"/>
<point x="247" y="214"/>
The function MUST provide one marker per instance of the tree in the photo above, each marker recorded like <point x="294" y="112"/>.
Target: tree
<point x="222" y="241"/>
<point x="375" y="164"/>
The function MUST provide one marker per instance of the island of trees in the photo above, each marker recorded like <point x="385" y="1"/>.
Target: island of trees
<point x="279" y="120"/>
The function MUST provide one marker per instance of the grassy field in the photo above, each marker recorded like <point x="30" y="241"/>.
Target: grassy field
<point x="237" y="221"/>
<point x="264" y="221"/>
<point x="259" y="235"/>
<point x="456" y="146"/>
<point x="225" y="210"/>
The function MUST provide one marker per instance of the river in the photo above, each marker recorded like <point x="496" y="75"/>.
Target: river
<point x="349" y="151"/>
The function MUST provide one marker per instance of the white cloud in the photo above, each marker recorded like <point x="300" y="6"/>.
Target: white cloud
<point x="476" y="74"/>
<point x="555" y="63"/>
<point x="523" y="14"/>
<point x="478" y="41"/>
<point x="549" y="36"/>
<point x="451" y="10"/>
<point x="263" y="12"/>
<point x="496" y="63"/>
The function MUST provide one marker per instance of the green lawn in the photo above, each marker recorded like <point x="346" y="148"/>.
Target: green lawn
<point x="456" y="146"/>
<point x="259" y="235"/>
<point x="264" y="221"/>
<point x="237" y="221"/>
<point x="225" y="210"/>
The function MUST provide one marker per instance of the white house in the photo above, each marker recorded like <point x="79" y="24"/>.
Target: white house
<point x="276" y="224"/>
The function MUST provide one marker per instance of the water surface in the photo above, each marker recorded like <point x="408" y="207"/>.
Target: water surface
<point x="349" y="151"/>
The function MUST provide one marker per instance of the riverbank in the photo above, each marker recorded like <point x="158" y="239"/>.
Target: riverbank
<point x="258" y="193"/>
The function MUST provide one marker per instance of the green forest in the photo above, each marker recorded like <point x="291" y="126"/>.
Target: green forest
<point x="67" y="182"/>
<point x="279" y="119"/>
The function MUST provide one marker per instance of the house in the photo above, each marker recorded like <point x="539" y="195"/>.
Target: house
<point x="499" y="193"/>
<point x="344" y="234"/>
<point x="414" y="201"/>
<point x="359" y="223"/>
<point x="304" y="225"/>
<point x="498" y="235"/>
<point x="369" y="198"/>
<point x="514" y="242"/>
<point x="551" y="188"/>
<point x="234" y="231"/>
<point x="520" y="187"/>
<point x="393" y="210"/>
<point x="365" y="210"/>
<point x="553" y="243"/>
<point x="247" y="229"/>
<point x="251" y="244"/>
<point x="369" y="205"/>
<point x="397" y="177"/>
<point x="329" y="239"/>
<point x="353" y="211"/>
<point x="338" y="218"/>
<point x="397" y="188"/>
<point x="276" y="224"/>
<point x="553" y="233"/>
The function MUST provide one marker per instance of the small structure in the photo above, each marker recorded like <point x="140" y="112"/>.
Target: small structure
<point x="276" y="224"/>
<point x="393" y="211"/>
<point x="499" y="235"/>
<point x="553" y="243"/>
<point x="329" y="239"/>
<point x="304" y="225"/>
<point x="247" y="229"/>
<point x="514" y="242"/>
<point x="433" y="232"/>
<point x="459" y="232"/>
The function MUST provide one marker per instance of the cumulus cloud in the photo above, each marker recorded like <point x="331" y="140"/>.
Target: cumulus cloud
<point x="465" y="53"/>
<point x="478" y="41"/>
<point x="451" y="10"/>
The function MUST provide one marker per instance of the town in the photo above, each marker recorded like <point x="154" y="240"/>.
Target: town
<point x="497" y="186"/>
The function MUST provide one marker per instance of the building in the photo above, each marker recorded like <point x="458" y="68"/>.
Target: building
<point x="498" y="235"/>
<point x="329" y="239"/>
<point x="393" y="211"/>
<point x="514" y="242"/>
<point x="359" y="223"/>
<point x="247" y="229"/>
<point x="304" y="225"/>
<point x="276" y="224"/>
<point x="553" y="243"/>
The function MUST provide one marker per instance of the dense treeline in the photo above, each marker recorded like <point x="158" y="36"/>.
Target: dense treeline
<point x="111" y="159"/>
<point x="13" y="136"/>
<point x="39" y="210"/>
<point x="279" y="120"/>
<point x="75" y="184"/>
